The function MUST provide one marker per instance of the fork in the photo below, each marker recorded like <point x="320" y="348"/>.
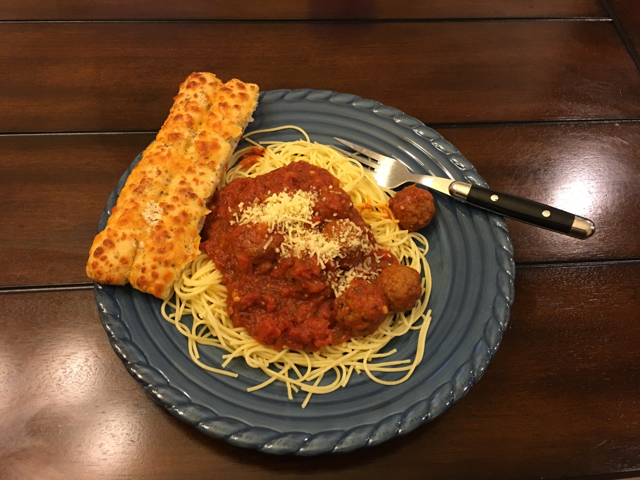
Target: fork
<point x="391" y="173"/>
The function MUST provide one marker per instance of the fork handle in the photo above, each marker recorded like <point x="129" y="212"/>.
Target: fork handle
<point x="524" y="210"/>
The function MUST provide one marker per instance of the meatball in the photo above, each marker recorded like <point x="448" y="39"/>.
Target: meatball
<point x="255" y="241"/>
<point x="352" y="240"/>
<point x="361" y="308"/>
<point x="332" y="203"/>
<point x="401" y="286"/>
<point x="413" y="207"/>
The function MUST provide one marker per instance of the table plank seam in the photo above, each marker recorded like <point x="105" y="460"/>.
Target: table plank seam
<point x="523" y="123"/>
<point x="47" y="288"/>
<point x="76" y="133"/>
<point x="328" y="20"/>
<point x="578" y="264"/>
<point x="622" y="33"/>
<point x="519" y="266"/>
<point x="536" y="123"/>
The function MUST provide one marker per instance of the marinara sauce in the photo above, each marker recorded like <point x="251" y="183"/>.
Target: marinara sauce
<point x="284" y="299"/>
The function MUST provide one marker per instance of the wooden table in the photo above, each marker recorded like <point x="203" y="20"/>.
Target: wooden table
<point x="542" y="96"/>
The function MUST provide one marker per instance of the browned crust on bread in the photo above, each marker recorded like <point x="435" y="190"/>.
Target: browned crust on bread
<point x="153" y="231"/>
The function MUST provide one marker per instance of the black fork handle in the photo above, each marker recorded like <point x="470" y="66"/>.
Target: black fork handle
<point x="525" y="210"/>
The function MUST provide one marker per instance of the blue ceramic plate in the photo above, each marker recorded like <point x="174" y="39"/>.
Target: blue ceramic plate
<point x="471" y="261"/>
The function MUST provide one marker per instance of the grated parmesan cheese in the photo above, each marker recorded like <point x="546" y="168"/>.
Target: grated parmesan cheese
<point x="291" y="215"/>
<point x="364" y="270"/>
<point x="280" y="210"/>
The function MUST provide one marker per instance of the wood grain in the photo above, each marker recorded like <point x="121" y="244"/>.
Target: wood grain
<point x="560" y="399"/>
<point x="295" y="10"/>
<point x="55" y="188"/>
<point x="542" y="96"/>
<point x="122" y="76"/>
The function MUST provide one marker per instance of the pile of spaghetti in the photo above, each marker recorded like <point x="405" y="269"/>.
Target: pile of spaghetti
<point x="199" y="307"/>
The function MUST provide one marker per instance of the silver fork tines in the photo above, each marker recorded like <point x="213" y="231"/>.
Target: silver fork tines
<point x="363" y="160"/>
<point x="387" y="171"/>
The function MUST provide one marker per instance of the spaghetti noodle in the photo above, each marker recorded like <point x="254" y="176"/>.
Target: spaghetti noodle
<point x="200" y="294"/>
